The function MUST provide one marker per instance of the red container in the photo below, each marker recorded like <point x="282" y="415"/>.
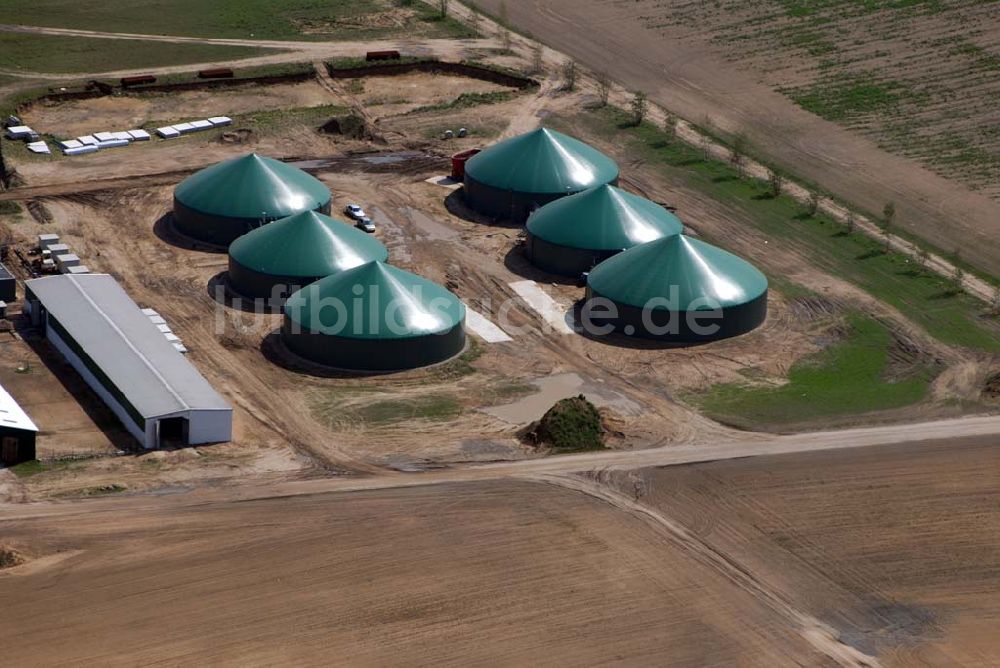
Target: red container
<point x="458" y="163"/>
<point x="216" y="73"/>
<point x="138" y="80"/>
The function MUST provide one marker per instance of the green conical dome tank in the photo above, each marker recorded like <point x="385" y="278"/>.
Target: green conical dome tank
<point x="515" y="176"/>
<point x="573" y="234"/>
<point x="225" y="201"/>
<point x="374" y="317"/>
<point x="678" y="289"/>
<point x="283" y="256"/>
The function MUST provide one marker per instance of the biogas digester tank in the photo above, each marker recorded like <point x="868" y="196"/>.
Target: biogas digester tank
<point x="225" y="201"/>
<point x="374" y="317"/>
<point x="515" y="176"/>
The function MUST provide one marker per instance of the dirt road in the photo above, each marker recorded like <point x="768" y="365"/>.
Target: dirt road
<point x="285" y="52"/>
<point x="693" y="80"/>
<point x="742" y="445"/>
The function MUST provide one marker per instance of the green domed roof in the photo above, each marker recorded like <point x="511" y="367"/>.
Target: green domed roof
<point x="377" y="301"/>
<point x="543" y="161"/>
<point x="307" y="244"/>
<point x="603" y="218"/>
<point x="252" y="187"/>
<point x="699" y="270"/>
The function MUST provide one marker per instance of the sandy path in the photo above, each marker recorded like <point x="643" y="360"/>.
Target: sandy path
<point x="739" y="445"/>
<point x="695" y="82"/>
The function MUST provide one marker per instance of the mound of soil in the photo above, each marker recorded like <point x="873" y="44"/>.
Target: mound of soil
<point x="9" y="557"/>
<point x="991" y="390"/>
<point x="571" y="425"/>
<point x="238" y="136"/>
<point x="351" y="126"/>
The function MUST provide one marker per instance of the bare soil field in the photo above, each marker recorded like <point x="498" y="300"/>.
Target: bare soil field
<point x="920" y="79"/>
<point x="892" y="546"/>
<point x="502" y="572"/>
<point x="721" y="84"/>
<point x="77" y="117"/>
<point x="383" y="96"/>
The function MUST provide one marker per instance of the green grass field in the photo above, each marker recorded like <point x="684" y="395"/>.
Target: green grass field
<point x="70" y="55"/>
<point x="261" y="19"/>
<point x="847" y="378"/>
<point x="926" y="298"/>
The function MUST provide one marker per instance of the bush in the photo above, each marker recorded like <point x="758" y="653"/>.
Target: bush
<point x="571" y="425"/>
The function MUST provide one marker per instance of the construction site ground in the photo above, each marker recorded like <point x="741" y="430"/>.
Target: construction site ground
<point x="113" y="209"/>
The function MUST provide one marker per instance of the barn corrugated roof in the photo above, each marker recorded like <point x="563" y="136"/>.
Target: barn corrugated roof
<point x="125" y="345"/>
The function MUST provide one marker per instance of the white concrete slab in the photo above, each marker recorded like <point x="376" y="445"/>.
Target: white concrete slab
<point x="444" y="182"/>
<point x="479" y="325"/>
<point x="546" y="307"/>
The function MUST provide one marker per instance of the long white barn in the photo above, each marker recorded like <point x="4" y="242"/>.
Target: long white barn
<point x="159" y="396"/>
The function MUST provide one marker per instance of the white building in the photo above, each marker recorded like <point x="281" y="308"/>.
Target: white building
<point x="159" y="396"/>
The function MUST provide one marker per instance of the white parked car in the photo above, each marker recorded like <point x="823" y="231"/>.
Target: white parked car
<point x="355" y="212"/>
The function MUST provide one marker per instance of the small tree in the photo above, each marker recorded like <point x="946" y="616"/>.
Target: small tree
<point x="603" y="88"/>
<point x="670" y="126"/>
<point x="850" y="222"/>
<point x="706" y="147"/>
<point x="443" y="8"/>
<point x="923" y="258"/>
<point x="995" y="302"/>
<point x="886" y="230"/>
<point x="474" y="18"/>
<point x="504" y="33"/>
<point x="504" y="36"/>
<point x="776" y="182"/>
<point x="738" y="153"/>
<point x="537" y="58"/>
<point x="889" y="214"/>
<point x="639" y="107"/>
<point x="569" y="73"/>
<point x="957" y="280"/>
<point x="812" y="205"/>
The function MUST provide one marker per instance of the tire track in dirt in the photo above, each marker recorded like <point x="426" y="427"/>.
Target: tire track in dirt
<point x="821" y="636"/>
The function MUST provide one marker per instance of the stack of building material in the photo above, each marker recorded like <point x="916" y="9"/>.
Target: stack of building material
<point x="67" y="260"/>
<point x="19" y="132"/>
<point x="164" y="329"/>
<point x="168" y="132"/>
<point x="39" y="147"/>
<point x="113" y="143"/>
<point x="47" y="240"/>
<point x="80" y="151"/>
<point x="139" y="135"/>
